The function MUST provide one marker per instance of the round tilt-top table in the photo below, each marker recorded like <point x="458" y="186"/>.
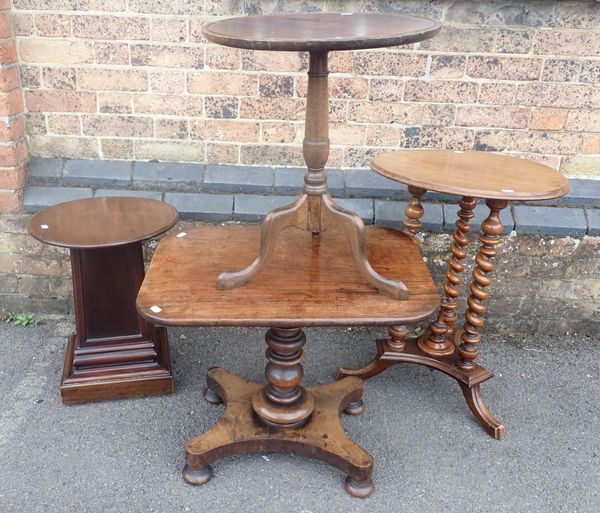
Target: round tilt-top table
<point x="497" y="179"/>
<point x="114" y="353"/>
<point x="318" y="33"/>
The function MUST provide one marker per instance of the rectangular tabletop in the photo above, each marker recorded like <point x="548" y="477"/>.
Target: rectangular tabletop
<point x="308" y="281"/>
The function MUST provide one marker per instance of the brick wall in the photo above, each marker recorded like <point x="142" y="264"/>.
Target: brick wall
<point x="13" y="144"/>
<point x="133" y="79"/>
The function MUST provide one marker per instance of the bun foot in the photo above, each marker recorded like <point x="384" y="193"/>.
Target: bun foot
<point x="359" y="489"/>
<point x="210" y="396"/>
<point x="197" y="476"/>
<point x="355" y="408"/>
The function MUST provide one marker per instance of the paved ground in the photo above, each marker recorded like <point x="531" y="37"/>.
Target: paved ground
<point x="430" y="455"/>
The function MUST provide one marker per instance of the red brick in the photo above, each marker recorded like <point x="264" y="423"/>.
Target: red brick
<point x="60" y="101"/>
<point x="438" y="137"/>
<point x="117" y="126"/>
<point x="383" y="135"/>
<point x="276" y="86"/>
<point x="504" y="68"/>
<point x="12" y="177"/>
<point x="513" y="41"/>
<point x="440" y="91"/>
<point x="222" y="57"/>
<point x="273" y="61"/>
<point x="169" y="82"/>
<point x="493" y="117"/>
<point x="59" y="78"/>
<point x="13" y="154"/>
<point x="339" y="87"/>
<point x="557" y="143"/>
<point x="499" y="94"/>
<point x="341" y="62"/>
<point x="346" y="135"/>
<point x="64" y="124"/>
<point x="111" y="53"/>
<point x="438" y="115"/>
<point x="386" y="89"/>
<point x="279" y="132"/>
<point x="390" y="63"/>
<point x="11" y="102"/>
<point x="548" y="118"/>
<point x="5" y="25"/>
<point x="224" y="130"/>
<point x="112" y="80"/>
<point x="272" y="108"/>
<point x="166" y="56"/>
<point x="583" y="120"/>
<point x="221" y="107"/>
<point x="271" y="155"/>
<point x="222" y="153"/>
<point x="171" y="128"/>
<point x="557" y="42"/>
<point x="115" y="103"/>
<point x="121" y="149"/>
<point x="172" y="105"/>
<point x="383" y="113"/>
<point x="553" y="95"/>
<point x="111" y="27"/>
<point x="8" y="51"/>
<point x="233" y="84"/>
<point x="448" y="66"/>
<point x="10" y="201"/>
<point x="168" y="29"/>
<point x="9" y="78"/>
<point x="12" y="128"/>
<point x="53" y="25"/>
<point x="591" y="145"/>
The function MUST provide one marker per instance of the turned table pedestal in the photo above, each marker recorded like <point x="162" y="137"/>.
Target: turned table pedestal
<point x="497" y="179"/>
<point x="114" y="353"/>
<point x="318" y="33"/>
<point x="302" y="286"/>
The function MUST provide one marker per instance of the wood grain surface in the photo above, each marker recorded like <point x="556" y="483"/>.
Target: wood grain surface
<point x="472" y="174"/>
<point x="308" y="282"/>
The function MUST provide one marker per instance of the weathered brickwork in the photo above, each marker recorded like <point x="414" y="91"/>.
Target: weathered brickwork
<point x="134" y="79"/>
<point x="540" y="284"/>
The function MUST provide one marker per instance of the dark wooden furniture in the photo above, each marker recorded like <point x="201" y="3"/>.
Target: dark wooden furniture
<point x="114" y="353"/>
<point x="497" y="179"/>
<point x="307" y="282"/>
<point x="318" y="33"/>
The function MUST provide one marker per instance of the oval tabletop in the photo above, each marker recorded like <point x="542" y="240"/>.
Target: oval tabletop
<point x="471" y="173"/>
<point x="318" y="31"/>
<point x="102" y="222"/>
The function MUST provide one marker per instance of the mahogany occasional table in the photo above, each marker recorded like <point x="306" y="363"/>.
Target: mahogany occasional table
<point x="114" y="353"/>
<point x="318" y="33"/>
<point x="298" y="288"/>
<point x="497" y="179"/>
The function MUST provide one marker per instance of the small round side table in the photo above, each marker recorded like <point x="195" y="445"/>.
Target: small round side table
<point x="114" y="353"/>
<point x="497" y="179"/>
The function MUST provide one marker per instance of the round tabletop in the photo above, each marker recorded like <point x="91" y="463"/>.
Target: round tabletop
<point x="102" y="222"/>
<point x="471" y="173"/>
<point x="318" y="31"/>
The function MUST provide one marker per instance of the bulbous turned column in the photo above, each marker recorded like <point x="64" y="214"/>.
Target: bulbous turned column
<point x="439" y="343"/>
<point x="414" y="211"/>
<point x="397" y="335"/>
<point x="492" y="229"/>
<point x="283" y="402"/>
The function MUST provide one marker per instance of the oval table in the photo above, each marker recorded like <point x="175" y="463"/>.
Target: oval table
<point x="114" y="353"/>
<point x="497" y="179"/>
<point x="318" y="33"/>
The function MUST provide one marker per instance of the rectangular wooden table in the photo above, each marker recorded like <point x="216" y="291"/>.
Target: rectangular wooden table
<point x="309" y="281"/>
